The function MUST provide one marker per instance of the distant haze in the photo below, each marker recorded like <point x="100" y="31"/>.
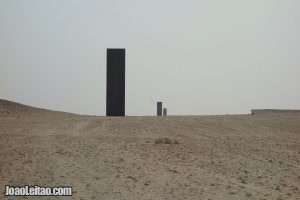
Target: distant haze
<point x="198" y="57"/>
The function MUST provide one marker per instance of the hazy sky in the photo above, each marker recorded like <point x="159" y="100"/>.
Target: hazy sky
<point x="197" y="56"/>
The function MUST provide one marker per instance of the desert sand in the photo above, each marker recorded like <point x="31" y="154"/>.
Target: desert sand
<point x="217" y="157"/>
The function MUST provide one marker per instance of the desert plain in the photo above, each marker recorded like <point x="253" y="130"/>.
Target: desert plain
<point x="175" y="157"/>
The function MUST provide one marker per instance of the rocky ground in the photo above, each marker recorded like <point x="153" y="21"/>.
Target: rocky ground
<point x="202" y="157"/>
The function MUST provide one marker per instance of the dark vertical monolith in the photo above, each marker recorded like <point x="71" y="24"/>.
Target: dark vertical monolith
<point x="165" y="112"/>
<point x="159" y="108"/>
<point x="115" y="82"/>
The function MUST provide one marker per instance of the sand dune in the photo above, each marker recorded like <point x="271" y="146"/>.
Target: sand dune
<point x="217" y="157"/>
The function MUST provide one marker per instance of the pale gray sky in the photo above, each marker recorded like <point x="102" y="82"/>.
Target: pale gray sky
<point x="197" y="56"/>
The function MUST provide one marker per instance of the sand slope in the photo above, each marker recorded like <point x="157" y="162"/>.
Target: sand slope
<point x="218" y="157"/>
